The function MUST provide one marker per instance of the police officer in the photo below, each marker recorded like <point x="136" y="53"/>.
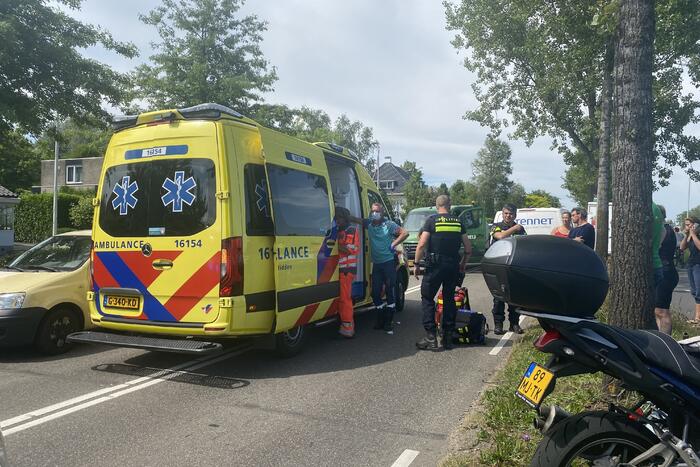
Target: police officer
<point x="499" y="231"/>
<point x="442" y="236"/>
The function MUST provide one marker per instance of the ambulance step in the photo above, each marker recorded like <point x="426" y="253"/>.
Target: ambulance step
<point x="324" y="322"/>
<point x="186" y="346"/>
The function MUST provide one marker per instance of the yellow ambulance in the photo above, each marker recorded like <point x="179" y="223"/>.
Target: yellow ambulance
<point x="208" y="225"/>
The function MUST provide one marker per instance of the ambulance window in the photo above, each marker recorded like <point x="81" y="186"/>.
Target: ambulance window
<point x="257" y="202"/>
<point x="168" y="197"/>
<point x="299" y="201"/>
<point x="375" y="198"/>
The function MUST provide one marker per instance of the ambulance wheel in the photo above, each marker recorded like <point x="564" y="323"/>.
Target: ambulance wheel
<point x="291" y="342"/>
<point x="51" y="337"/>
<point x="400" y="296"/>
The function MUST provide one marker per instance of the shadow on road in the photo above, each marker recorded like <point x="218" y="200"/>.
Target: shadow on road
<point x="28" y="354"/>
<point x="198" y="379"/>
<point x="327" y="352"/>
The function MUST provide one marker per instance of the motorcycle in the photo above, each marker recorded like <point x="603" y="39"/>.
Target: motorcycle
<point x="562" y="284"/>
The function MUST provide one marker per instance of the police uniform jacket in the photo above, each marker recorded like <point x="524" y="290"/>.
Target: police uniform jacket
<point x="445" y="237"/>
<point x="500" y="227"/>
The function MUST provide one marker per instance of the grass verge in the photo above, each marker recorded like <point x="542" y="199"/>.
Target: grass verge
<point x="502" y="430"/>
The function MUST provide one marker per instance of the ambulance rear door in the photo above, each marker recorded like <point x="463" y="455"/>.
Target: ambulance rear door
<point x="158" y="234"/>
<point x="304" y="254"/>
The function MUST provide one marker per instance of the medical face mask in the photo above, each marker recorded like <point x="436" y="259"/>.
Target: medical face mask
<point x="376" y="216"/>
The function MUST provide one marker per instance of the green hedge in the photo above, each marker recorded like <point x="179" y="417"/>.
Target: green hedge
<point x="81" y="213"/>
<point x="33" y="215"/>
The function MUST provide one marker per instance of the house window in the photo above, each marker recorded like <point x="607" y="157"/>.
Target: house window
<point x="387" y="184"/>
<point x="7" y="217"/>
<point x="74" y="174"/>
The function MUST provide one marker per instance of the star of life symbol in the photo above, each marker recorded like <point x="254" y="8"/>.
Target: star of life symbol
<point x="125" y="198"/>
<point x="179" y="191"/>
<point x="261" y="202"/>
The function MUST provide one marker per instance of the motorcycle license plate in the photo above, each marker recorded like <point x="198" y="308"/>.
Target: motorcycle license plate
<point x="534" y="384"/>
<point x="125" y="303"/>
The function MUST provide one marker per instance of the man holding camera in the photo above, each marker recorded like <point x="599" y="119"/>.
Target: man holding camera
<point x="442" y="237"/>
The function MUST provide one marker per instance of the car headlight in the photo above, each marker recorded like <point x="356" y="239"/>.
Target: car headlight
<point x="9" y="301"/>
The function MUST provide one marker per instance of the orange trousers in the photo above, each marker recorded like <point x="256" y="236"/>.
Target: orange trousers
<point x="345" y="308"/>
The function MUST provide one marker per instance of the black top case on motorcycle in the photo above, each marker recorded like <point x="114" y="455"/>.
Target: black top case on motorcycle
<point x="546" y="274"/>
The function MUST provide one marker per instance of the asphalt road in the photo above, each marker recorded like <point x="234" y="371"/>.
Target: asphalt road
<point x="682" y="300"/>
<point x="369" y="401"/>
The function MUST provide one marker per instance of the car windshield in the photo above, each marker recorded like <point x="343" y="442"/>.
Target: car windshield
<point x="60" y="253"/>
<point x="415" y="220"/>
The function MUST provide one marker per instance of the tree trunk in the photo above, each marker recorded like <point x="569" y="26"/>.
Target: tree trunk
<point x="601" y="240"/>
<point x="630" y="276"/>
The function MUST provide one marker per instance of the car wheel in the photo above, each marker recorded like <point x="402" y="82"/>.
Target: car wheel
<point x="52" y="336"/>
<point x="291" y="342"/>
<point x="400" y="297"/>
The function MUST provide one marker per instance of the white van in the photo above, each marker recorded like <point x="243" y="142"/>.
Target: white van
<point x="537" y="221"/>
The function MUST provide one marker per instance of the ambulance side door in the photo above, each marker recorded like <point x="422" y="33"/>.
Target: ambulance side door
<point x="304" y="254"/>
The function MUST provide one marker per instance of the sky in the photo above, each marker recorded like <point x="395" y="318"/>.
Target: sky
<point x="386" y="63"/>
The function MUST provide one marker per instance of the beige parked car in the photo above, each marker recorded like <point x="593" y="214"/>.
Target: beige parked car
<point x="43" y="293"/>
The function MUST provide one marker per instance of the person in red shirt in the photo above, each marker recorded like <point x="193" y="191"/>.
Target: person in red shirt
<point x="348" y="249"/>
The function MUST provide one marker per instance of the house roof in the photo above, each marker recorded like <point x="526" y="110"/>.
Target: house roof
<point x="389" y="171"/>
<point x="5" y="193"/>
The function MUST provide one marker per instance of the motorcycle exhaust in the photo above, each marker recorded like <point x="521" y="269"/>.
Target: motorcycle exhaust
<point x="548" y="416"/>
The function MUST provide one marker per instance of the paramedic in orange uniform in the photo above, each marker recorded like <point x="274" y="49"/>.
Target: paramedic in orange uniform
<point x="348" y="249"/>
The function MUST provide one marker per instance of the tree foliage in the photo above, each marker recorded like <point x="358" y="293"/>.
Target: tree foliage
<point x="543" y="63"/>
<point x="81" y="213"/>
<point x="492" y="170"/>
<point x="21" y="164"/>
<point x="316" y="125"/>
<point x="44" y="76"/>
<point x="516" y="195"/>
<point x="462" y="192"/>
<point x="694" y="212"/>
<point x="415" y="190"/>
<point x="75" y="141"/>
<point x="207" y="53"/>
<point x="541" y="199"/>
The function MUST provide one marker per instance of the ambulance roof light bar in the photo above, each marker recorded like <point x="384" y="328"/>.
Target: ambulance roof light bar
<point x="208" y="110"/>
<point x="123" y="121"/>
<point x="339" y="149"/>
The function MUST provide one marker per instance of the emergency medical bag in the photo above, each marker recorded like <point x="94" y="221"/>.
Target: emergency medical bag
<point x="471" y="327"/>
<point x="461" y="300"/>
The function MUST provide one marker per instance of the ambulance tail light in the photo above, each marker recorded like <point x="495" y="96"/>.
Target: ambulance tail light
<point x="231" y="267"/>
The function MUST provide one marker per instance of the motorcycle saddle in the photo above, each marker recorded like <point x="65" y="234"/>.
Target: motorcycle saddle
<point x="663" y="351"/>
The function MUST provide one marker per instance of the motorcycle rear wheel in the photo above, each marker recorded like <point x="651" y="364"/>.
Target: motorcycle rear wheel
<point x="593" y="438"/>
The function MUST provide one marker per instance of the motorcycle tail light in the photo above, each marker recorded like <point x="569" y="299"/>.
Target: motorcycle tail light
<point x="547" y="338"/>
<point x="636" y="415"/>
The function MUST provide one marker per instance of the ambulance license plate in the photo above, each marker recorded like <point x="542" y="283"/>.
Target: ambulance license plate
<point x="534" y="384"/>
<point x="126" y="303"/>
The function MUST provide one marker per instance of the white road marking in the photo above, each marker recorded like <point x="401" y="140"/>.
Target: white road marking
<point x="413" y="289"/>
<point x="499" y="346"/>
<point x="405" y="459"/>
<point x="110" y="393"/>
<point x="501" y="343"/>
